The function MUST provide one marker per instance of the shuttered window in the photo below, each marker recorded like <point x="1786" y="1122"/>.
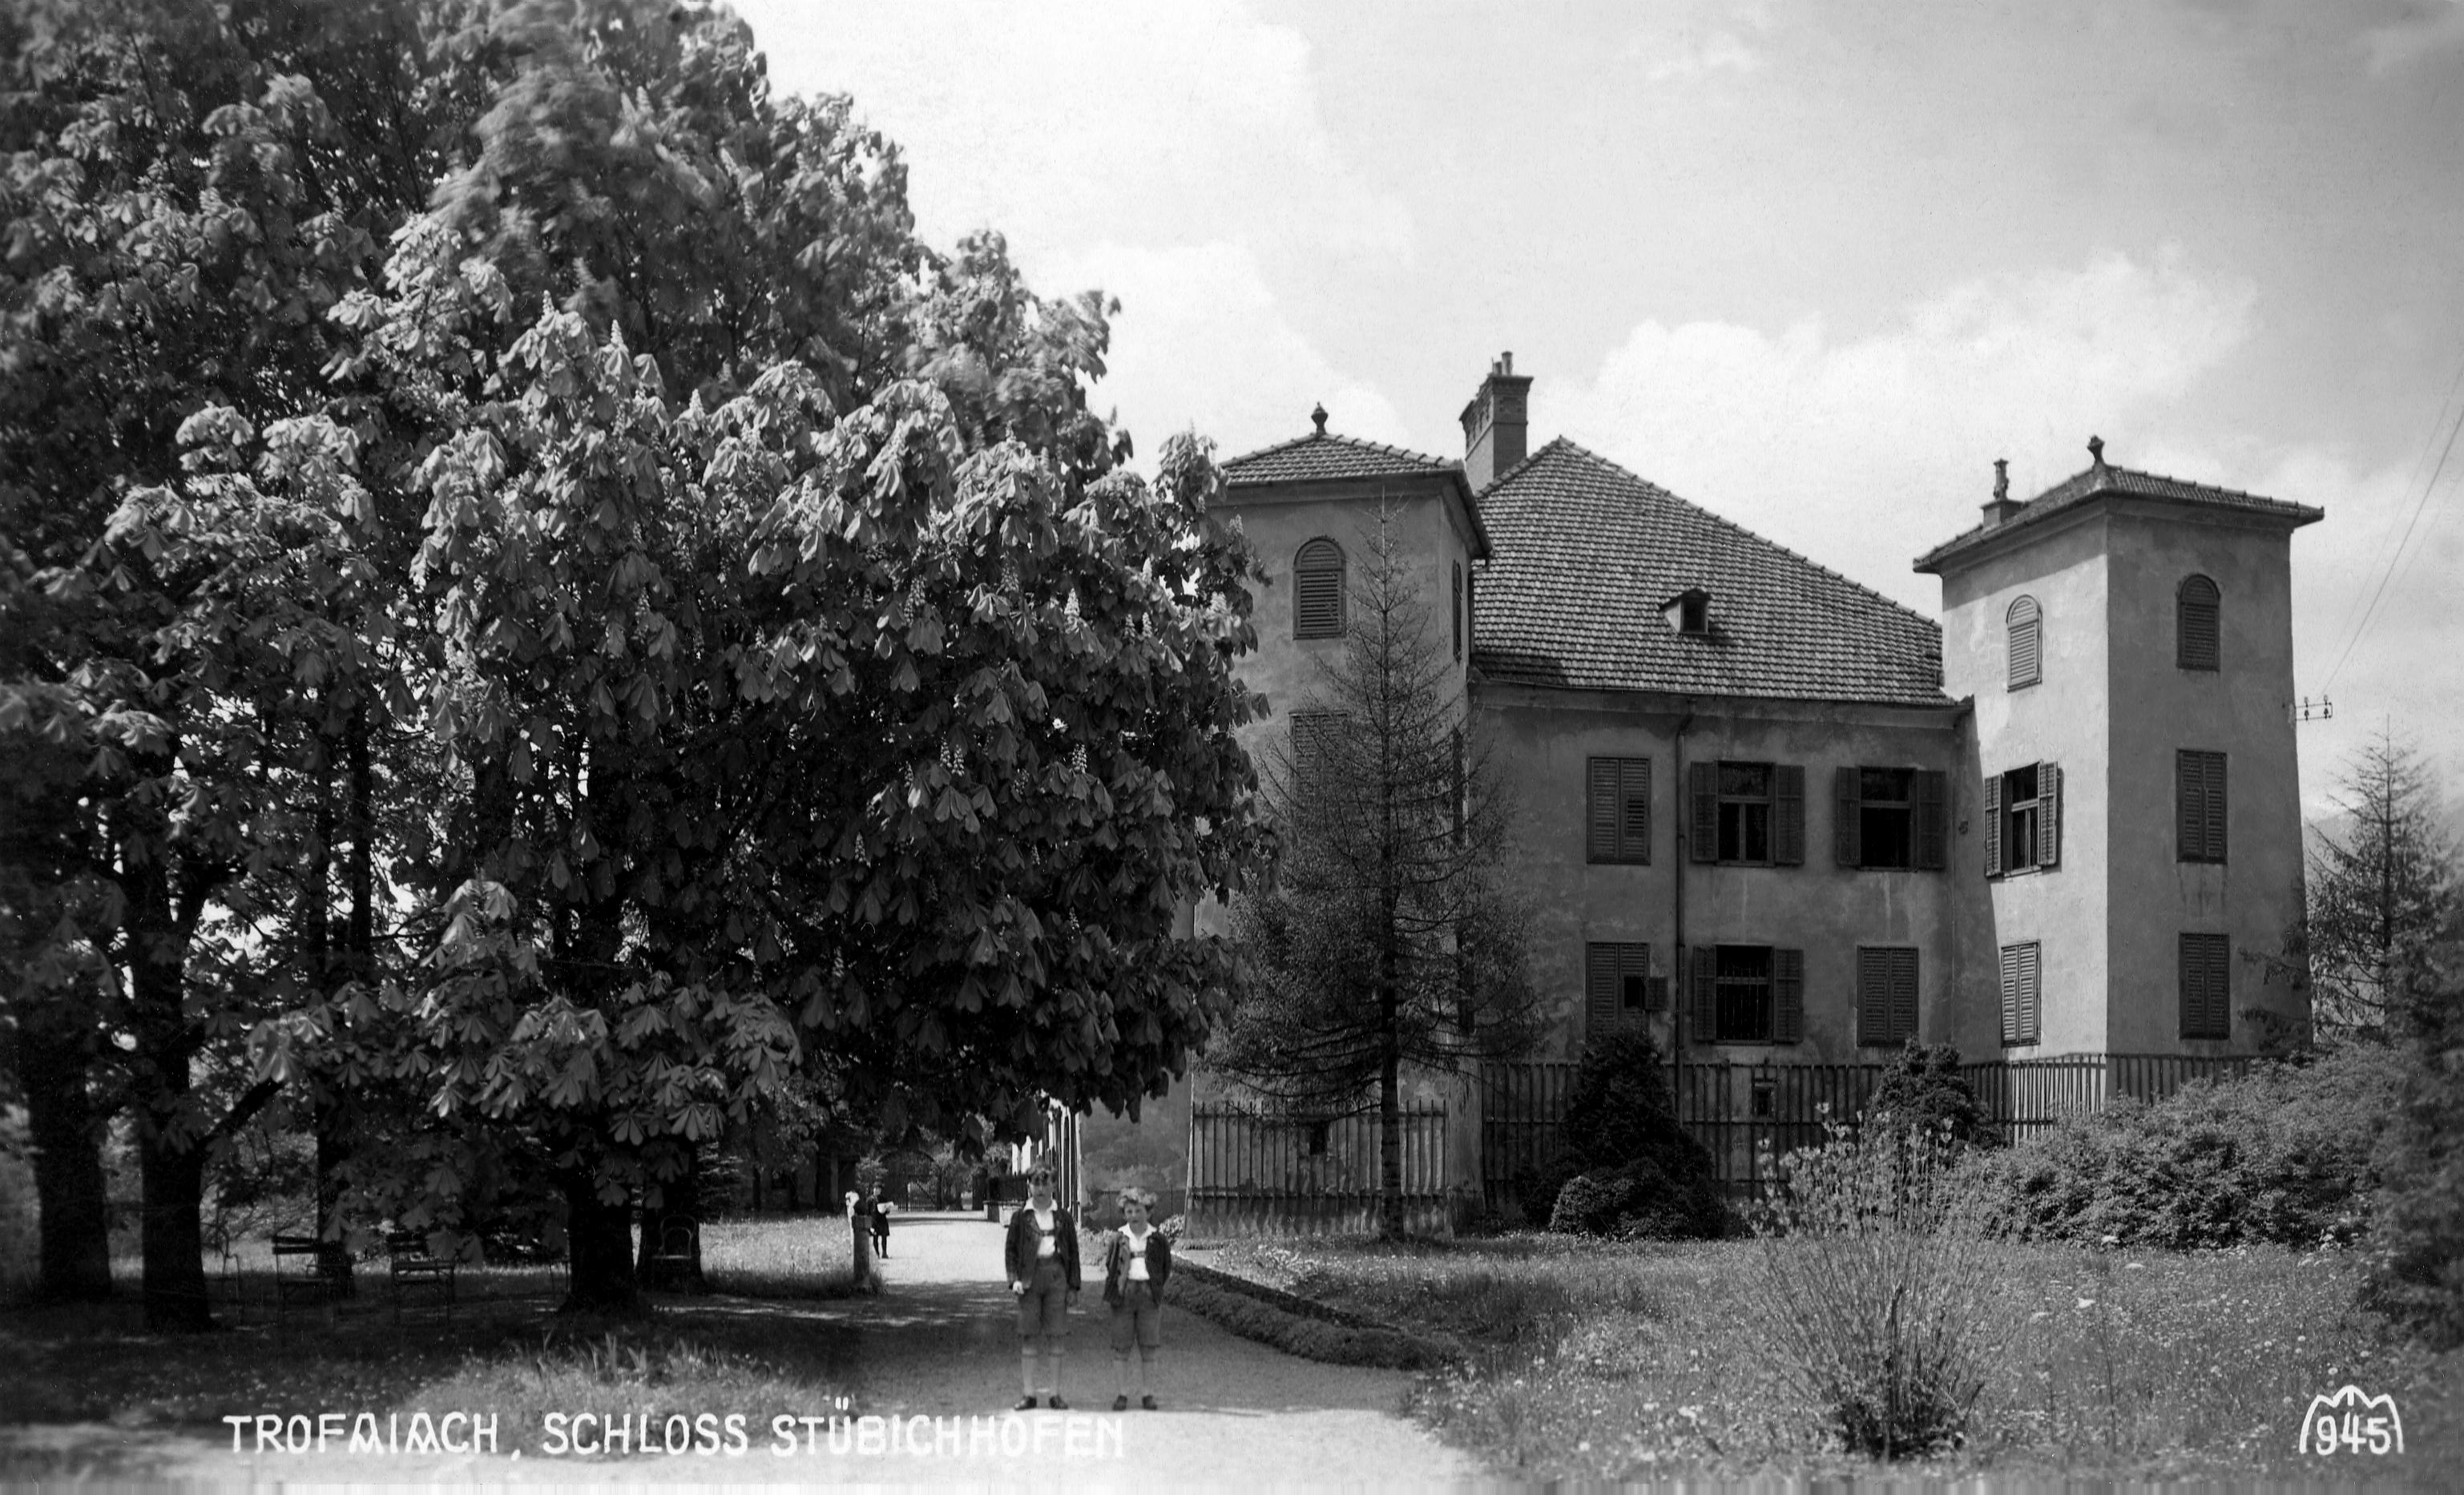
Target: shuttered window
<point x="2026" y="627"/>
<point x="2206" y="986"/>
<point x="1887" y="817"/>
<point x="1747" y="994"/>
<point x="1933" y="819"/>
<point x="2023" y="820"/>
<point x="1317" y="739"/>
<point x="1617" y="986"/>
<point x="2022" y="990"/>
<point x="1318" y="591"/>
<point x="1750" y="813"/>
<point x="2197" y="618"/>
<point x="1886" y="995"/>
<point x="1619" y="817"/>
<point x="2199" y="805"/>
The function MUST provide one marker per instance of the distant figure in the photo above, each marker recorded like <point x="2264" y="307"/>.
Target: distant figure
<point x="868" y="1271"/>
<point x="1041" y="1259"/>
<point x="1137" y="1261"/>
<point x="880" y="1225"/>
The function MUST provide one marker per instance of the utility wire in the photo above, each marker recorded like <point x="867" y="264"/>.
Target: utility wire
<point x="2396" y="557"/>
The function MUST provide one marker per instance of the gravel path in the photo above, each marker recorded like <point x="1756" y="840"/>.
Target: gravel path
<point x="941" y="1345"/>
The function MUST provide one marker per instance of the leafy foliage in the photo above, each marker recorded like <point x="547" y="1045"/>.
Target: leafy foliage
<point x="1877" y="1296"/>
<point x="1923" y="1090"/>
<point x="2284" y="1154"/>
<point x="2417" y="1237"/>
<point x="1631" y="1171"/>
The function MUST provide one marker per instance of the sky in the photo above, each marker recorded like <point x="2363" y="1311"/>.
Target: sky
<point x="1811" y="264"/>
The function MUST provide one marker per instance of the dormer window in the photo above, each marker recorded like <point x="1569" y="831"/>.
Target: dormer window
<point x="1689" y="611"/>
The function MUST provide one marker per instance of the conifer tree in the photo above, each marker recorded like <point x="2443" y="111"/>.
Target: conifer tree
<point x="1391" y="941"/>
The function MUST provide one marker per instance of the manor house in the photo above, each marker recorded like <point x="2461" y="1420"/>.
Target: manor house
<point x="1782" y="820"/>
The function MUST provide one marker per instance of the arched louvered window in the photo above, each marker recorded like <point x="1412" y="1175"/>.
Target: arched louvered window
<point x="1317" y="591"/>
<point x="2027" y="643"/>
<point x="2197" y="620"/>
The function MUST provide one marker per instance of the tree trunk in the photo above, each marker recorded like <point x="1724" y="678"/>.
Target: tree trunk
<point x="600" y="1237"/>
<point x="670" y="1256"/>
<point x="1390" y="1114"/>
<point x="69" y="1193"/>
<point x="173" y="1238"/>
<point x="332" y="1150"/>
<point x="172" y="1169"/>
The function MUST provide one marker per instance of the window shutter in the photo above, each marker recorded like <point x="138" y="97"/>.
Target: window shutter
<point x="1873" y="997"/>
<point x="1992" y="824"/>
<point x="2031" y="991"/>
<point x="1317" y="591"/>
<point x="2020" y="987"/>
<point x="1604" y="810"/>
<point x="2190" y="816"/>
<point x="1904" y="995"/>
<point x="1704" y="1018"/>
<point x="1601" y="987"/>
<point x="2198" y="619"/>
<point x="1705" y="834"/>
<point x="1655" y="991"/>
<point x="1933" y="820"/>
<point x="2010" y="994"/>
<point x="2023" y="625"/>
<point x="1787" y="995"/>
<point x="1634" y="795"/>
<point x="2206" y="1000"/>
<point x="2049" y="815"/>
<point x="1787" y="815"/>
<point x="1634" y="971"/>
<point x="1845" y="848"/>
<point x="2213" y="833"/>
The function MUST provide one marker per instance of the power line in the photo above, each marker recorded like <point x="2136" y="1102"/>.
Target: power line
<point x="2454" y="429"/>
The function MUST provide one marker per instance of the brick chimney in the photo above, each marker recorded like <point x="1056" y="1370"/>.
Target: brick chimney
<point x="1497" y="424"/>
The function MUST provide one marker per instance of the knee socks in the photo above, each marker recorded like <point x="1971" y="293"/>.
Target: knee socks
<point x="1026" y="1369"/>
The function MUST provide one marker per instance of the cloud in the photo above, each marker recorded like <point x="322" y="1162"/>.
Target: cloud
<point x="1691" y="43"/>
<point x="1072" y="123"/>
<point x="1863" y="452"/>
<point x="1202" y="341"/>
<point x="2435" y="27"/>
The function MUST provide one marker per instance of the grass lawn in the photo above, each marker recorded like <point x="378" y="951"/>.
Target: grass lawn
<point x="1596" y="1361"/>
<point x="504" y="1349"/>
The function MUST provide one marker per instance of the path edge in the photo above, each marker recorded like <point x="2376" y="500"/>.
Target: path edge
<point x="1297" y="1326"/>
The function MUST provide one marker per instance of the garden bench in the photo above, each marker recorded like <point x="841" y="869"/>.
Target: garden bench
<point x="414" y="1266"/>
<point x="308" y="1283"/>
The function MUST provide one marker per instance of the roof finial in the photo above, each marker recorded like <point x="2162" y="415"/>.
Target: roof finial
<point x="2096" y="449"/>
<point x="1317" y="418"/>
<point x="2001" y="478"/>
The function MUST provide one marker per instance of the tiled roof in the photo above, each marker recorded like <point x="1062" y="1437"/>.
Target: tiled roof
<point x="1585" y="553"/>
<point x="1320" y="455"/>
<point x="2081" y="487"/>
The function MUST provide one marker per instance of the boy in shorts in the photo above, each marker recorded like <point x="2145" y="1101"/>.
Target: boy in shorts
<point x="1042" y="1258"/>
<point x="1137" y="1261"/>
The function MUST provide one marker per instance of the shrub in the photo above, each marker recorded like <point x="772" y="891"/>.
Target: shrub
<point x="2418" y="1274"/>
<point x="1630" y="1169"/>
<point x="1875" y="1291"/>
<point x="1923" y="1090"/>
<point x="2280" y="1155"/>
<point x="1639" y="1200"/>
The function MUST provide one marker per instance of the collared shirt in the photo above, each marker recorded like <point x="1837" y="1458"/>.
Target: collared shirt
<point x="1044" y="1245"/>
<point x="1137" y="1240"/>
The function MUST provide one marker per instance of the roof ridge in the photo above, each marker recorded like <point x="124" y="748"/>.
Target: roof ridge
<point x="1718" y="518"/>
<point x="1357" y="443"/>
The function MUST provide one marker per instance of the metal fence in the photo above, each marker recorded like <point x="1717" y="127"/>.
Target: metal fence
<point x="1747" y="1113"/>
<point x="1261" y="1171"/>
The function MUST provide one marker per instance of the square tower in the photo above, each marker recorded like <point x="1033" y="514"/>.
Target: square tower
<point x="2127" y="642"/>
